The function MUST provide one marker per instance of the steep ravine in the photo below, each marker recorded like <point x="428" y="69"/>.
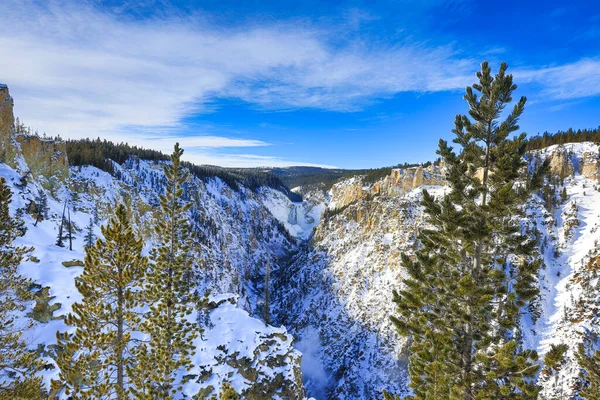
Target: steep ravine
<point x="335" y="294"/>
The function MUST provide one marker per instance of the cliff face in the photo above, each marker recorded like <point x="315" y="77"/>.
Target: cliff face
<point x="564" y="162"/>
<point x="7" y="148"/>
<point x="45" y="159"/>
<point x="589" y="165"/>
<point x="398" y="183"/>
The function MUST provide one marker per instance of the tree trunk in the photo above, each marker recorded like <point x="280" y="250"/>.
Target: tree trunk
<point x="120" y="348"/>
<point x="70" y="232"/>
<point x="467" y="350"/>
<point x="267" y="294"/>
<point x="170" y="288"/>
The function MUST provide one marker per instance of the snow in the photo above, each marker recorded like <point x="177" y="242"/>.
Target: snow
<point x="298" y="218"/>
<point x="231" y="327"/>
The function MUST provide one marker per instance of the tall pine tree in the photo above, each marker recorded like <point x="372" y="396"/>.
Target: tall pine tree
<point x="96" y="358"/>
<point x="18" y="364"/>
<point x="166" y="356"/>
<point x="474" y="272"/>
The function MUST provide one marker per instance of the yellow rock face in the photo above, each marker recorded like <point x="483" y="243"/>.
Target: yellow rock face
<point x="45" y="158"/>
<point x="560" y="165"/>
<point x="7" y="148"/>
<point x="589" y="165"/>
<point x="400" y="181"/>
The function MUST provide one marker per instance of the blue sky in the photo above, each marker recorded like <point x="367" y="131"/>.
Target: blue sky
<point x="352" y="84"/>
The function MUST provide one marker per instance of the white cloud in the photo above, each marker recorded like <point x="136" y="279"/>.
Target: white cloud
<point x="77" y="70"/>
<point x="246" y="160"/>
<point x="571" y="81"/>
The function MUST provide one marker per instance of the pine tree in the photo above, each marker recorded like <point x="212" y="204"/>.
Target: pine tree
<point x="589" y="377"/>
<point x="554" y="359"/>
<point x="389" y="396"/>
<point x="553" y="363"/>
<point x="95" y="215"/>
<point x="475" y="272"/>
<point x="563" y="195"/>
<point x="18" y="364"/>
<point x="169" y="349"/>
<point x="41" y="207"/>
<point x="228" y="392"/>
<point x="70" y="230"/>
<point x="89" y="234"/>
<point x="95" y="359"/>
<point x="60" y="238"/>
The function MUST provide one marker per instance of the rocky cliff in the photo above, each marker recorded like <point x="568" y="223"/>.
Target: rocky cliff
<point x="44" y="159"/>
<point x="7" y="146"/>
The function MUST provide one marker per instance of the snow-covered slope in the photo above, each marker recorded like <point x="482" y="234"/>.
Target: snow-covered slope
<point x="569" y="236"/>
<point x="237" y="237"/>
<point x="265" y="354"/>
<point x="338" y="290"/>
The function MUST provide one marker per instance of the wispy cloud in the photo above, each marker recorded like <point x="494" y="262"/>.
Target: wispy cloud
<point x="571" y="81"/>
<point x="83" y="71"/>
<point x="247" y="160"/>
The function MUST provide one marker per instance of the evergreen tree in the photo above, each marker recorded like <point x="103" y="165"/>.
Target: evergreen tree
<point x="18" y="364"/>
<point x="228" y="392"/>
<point x="389" y="396"/>
<point x="95" y="359"/>
<point x="563" y="195"/>
<point x="589" y="376"/>
<point x="474" y="273"/>
<point x="89" y="234"/>
<point x="95" y="214"/>
<point x="554" y="359"/>
<point x="169" y="290"/>
<point x="41" y="207"/>
<point x="553" y="363"/>
<point x="59" y="240"/>
<point x="70" y="230"/>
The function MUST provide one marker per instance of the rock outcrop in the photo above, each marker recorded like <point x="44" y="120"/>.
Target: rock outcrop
<point x="400" y="181"/>
<point x="45" y="159"/>
<point x="589" y="165"/>
<point x="7" y="148"/>
<point x="561" y="165"/>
